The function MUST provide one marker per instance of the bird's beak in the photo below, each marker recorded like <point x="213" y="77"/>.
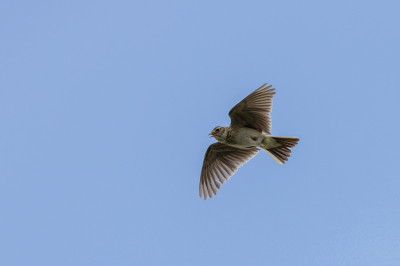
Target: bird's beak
<point x="212" y="135"/>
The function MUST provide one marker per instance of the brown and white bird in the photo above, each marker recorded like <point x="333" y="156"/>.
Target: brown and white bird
<point x="238" y="143"/>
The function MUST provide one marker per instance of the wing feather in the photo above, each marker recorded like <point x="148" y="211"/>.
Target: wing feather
<point x="254" y="110"/>
<point x="220" y="163"/>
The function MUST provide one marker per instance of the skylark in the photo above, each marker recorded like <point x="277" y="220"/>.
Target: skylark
<point x="238" y="143"/>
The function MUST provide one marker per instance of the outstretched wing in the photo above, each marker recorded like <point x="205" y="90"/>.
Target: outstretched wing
<point x="220" y="163"/>
<point x="254" y="110"/>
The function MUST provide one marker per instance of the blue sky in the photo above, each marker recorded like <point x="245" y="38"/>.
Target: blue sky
<point x="105" y="108"/>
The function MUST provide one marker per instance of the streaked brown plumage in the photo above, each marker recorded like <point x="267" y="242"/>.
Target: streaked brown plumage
<point x="238" y="142"/>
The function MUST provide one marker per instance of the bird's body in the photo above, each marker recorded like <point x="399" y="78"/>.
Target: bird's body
<point x="237" y="143"/>
<point x="244" y="137"/>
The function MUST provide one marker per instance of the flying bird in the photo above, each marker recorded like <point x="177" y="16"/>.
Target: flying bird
<point x="249" y="129"/>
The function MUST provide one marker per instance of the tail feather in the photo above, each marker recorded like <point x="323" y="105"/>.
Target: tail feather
<point x="282" y="153"/>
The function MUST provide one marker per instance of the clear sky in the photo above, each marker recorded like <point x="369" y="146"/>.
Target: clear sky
<point x="105" y="110"/>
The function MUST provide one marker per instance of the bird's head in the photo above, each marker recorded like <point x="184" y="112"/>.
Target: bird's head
<point x="219" y="133"/>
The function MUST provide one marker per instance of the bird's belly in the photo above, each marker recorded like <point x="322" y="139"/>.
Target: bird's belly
<point x="247" y="137"/>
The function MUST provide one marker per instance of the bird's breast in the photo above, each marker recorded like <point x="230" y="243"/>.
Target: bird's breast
<point x="244" y="138"/>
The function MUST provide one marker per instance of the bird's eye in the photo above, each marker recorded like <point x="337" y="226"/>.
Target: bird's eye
<point x="217" y="129"/>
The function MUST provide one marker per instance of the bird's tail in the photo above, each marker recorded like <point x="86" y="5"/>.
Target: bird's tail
<point x="282" y="152"/>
